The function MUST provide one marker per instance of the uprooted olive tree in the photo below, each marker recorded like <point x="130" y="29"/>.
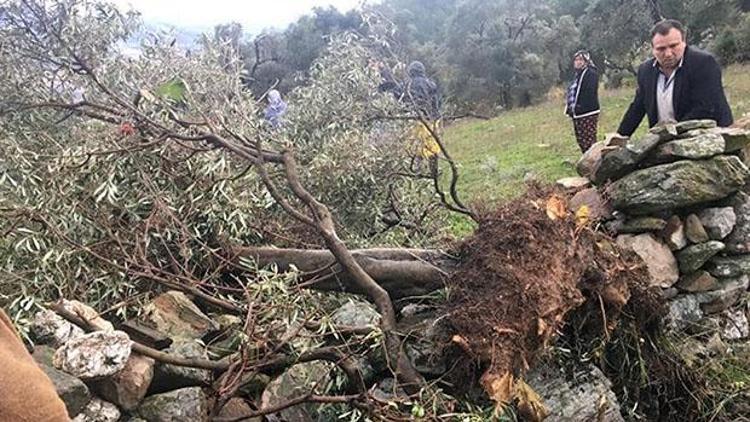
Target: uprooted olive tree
<point x="123" y="175"/>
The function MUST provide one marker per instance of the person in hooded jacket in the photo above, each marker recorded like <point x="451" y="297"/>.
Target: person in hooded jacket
<point x="275" y="109"/>
<point x="424" y="96"/>
<point x="582" y="100"/>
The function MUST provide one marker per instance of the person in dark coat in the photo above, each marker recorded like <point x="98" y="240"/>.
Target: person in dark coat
<point x="679" y="83"/>
<point x="582" y="100"/>
<point x="423" y="95"/>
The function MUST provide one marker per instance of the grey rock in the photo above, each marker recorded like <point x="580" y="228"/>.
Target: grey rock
<point x="666" y="132"/>
<point x="729" y="292"/>
<point x="659" y="260"/>
<point x="591" y="159"/>
<point x="72" y="391"/>
<point x="734" y="325"/>
<point x="51" y="329"/>
<point x="674" y="233"/>
<point x="573" y="183"/>
<point x="703" y="146"/>
<point x="693" y="257"/>
<point x="700" y="281"/>
<point x="614" y="165"/>
<point x="88" y="313"/>
<point x="641" y="225"/>
<point x="388" y="390"/>
<point x="356" y="315"/>
<point x="98" y="411"/>
<point x="718" y="222"/>
<point x="128" y="387"/>
<point x="43" y="355"/>
<point x="94" y="355"/>
<point x="669" y="293"/>
<point x="639" y="147"/>
<point x="586" y="397"/>
<point x="227" y="321"/>
<point x="236" y="408"/>
<point x="694" y="229"/>
<point x="729" y="266"/>
<point x="174" y="314"/>
<point x="186" y="404"/>
<point x="172" y="377"/>
<point x="684" y="311"/>
<point x="297" y="380"/>
<point x="689" y="125"/>
<point x="735" y="139"/>
<point x="738" y="241"/>
<point x="677" y="185"/>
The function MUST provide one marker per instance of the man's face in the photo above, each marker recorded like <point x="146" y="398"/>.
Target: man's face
<point x="579" y="63"/>
<point x="668" y="49"/>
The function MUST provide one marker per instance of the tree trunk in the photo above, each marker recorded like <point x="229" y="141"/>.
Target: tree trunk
<point x="401" y="272"/>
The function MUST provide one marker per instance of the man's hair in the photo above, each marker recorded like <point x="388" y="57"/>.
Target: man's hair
<point x="663" y="28"/>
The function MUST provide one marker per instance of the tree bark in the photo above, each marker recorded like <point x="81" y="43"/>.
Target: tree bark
<point x="401" y="272"/>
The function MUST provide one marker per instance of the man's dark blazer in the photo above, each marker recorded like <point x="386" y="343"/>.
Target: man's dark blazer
<point x="698" y="93"/>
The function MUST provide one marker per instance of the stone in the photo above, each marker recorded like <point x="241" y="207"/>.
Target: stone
<point x="666" y="132"/>
<point x="94" y="355"/>
<point x="599" y="209"/>
<point x="729" y="266"/>
<point x="718" y="222"/>
<point x="298" y="379"/>
<point x="674" y="234"/>
<point x="236" y="408"/>
<point x="186" y="404"/>
<point x="98" y="411"/>
<point x="684" y="311"/>
<point x="573" y="183"/>
<point x="693" y="257"/>
<point x="669" y="293"/>
<point x="738" y="241"/>
<point x="586" y="397"/>
<point x="703" y="146"/>
<point x="72" y="391"/>
<point x="694" y="229"/>
<point x="735" y="139"/>
<point x="87" y="313"/>
<point x="734" y="325"/>
<point x="51" y="329"/>
<point x="356" y="314"/>
<point x="677" y="185"/>
<point x="700" y="281"/>
<point x="43" y="355"/>
<point x="128" y="387"/>
<point x="641" y="225"/>
<point x="659" y="260"/>
<point x="614" y="165"/>
<point x="729" y="292"/>
<point x="172" y="377"/>
<point x="228" y="321"/>
<point x="590" y="160"/>
<point x="639" y="147"/>
<point x="689" y="125"/>
<point x="175" y="314"/>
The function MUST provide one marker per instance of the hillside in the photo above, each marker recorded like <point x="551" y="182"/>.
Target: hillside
<point x="496" y="156"/>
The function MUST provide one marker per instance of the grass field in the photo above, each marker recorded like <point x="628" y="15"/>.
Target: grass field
<point x="495" y="156"/>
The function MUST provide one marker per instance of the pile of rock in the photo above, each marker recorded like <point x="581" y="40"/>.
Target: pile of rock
<point x="100" y="378"/>
<point x="678" y="197"/>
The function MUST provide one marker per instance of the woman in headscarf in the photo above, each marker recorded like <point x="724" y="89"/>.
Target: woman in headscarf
<point x="582" y="100"/>
<point x="276" y="108"/>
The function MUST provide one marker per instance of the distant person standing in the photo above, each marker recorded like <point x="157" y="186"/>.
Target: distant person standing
<point x="582" y="100"/>
<point x="275" y="109"/>
<point x="423" y="95"/>
<point x="679" y="83"/>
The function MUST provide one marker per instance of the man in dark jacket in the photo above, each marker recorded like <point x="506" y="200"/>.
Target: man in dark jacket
<point x="679" y="83"/>
<point x="423" y="96"/>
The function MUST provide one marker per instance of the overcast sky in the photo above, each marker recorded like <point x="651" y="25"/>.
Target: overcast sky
<point x="254" y="15"/>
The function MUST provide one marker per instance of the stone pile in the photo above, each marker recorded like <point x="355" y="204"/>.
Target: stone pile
<point x="678" y="197"/>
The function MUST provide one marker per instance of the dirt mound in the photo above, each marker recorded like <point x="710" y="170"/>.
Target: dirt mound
<point x="526" y="267"/>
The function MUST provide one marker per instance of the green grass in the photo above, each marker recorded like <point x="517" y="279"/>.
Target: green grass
<point x="495" y="156"/>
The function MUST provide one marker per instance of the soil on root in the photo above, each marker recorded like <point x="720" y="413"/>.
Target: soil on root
<point x="522" y="272"/>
